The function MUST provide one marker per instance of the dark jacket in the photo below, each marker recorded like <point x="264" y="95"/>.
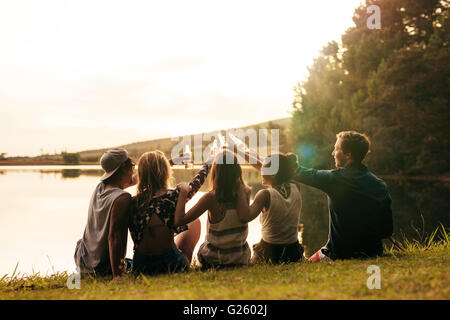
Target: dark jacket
<point x="359" y="209"/>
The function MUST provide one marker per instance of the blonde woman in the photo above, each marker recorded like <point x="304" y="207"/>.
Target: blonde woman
<point x="155" y="215"/>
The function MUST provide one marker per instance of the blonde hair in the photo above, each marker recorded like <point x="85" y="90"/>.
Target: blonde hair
<point x="153" y="175"/>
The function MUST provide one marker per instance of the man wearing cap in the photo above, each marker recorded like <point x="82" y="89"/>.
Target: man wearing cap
<point x="102" y="249"/>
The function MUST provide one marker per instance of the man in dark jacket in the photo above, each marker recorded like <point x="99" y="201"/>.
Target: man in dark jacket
<point x="359" y="202"/>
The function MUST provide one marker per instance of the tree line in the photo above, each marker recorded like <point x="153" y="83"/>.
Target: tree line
<point x="391" y="83"/>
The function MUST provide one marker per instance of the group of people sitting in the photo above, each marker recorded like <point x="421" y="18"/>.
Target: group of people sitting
<point x="165" y="235"/>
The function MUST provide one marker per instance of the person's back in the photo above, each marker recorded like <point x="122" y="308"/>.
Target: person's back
<point x="92" y="250"/>
<point x="359" y="208"/>
<point x="279" y="224"/>
<point x="102" y="248"/>
<point x="226" y="238"/>
<point x="154" y="214"/>
<point x="359" y="202"/>
<point x="279" y="207"/>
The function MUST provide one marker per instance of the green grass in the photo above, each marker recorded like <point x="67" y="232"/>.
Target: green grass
<point x="416" y="271"/>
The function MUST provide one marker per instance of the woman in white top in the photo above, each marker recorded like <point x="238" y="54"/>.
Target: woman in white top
<point x="279" y="209"/>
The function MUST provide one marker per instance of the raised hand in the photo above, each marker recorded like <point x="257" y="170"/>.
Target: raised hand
<point x="222" y="143"/>
<point x="184" y="188"/>
<point x="185" y="158"/>
<point x="213" y="152"/>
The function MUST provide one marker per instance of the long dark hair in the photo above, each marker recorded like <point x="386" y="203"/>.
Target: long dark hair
<point x="226" y="177"/>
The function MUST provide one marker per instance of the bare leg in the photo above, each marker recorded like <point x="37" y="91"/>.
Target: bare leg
<point x="187" y="240"/>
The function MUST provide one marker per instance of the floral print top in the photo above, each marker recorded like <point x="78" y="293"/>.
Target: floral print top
<point x="163" y="206"/>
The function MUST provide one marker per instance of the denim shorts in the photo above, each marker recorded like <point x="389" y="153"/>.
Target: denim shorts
<point x="173" y="260"/>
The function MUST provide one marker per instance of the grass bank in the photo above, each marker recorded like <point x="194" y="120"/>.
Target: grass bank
<point x="418" y="272"/>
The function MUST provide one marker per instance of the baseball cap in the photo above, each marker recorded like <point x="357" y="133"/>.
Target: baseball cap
<point x="111" y="161"/>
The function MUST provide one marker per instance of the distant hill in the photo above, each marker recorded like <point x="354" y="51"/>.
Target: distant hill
<point x="166" y="144"/>
<point x="137" y="148"/>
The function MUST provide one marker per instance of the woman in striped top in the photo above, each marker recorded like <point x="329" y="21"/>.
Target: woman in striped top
<point x="226" y="237"/>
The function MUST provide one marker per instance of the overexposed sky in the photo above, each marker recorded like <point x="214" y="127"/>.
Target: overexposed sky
<point x="77" y="75"/>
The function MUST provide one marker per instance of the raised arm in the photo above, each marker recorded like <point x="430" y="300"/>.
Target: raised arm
<point x="253" y="159"/>
<point x="246" y="212"/>
<point x="198" y="180"/>
<point x="197" y="210"/>
<point x="324" y="180"/>
<point x="194" y="186"/>
<point x="249" y="155"/>
<point x="181" y="203"/>
<point x="117" y="233"/>
<point x="181" y="159"/>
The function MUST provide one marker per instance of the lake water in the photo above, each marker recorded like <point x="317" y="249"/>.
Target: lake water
<point x="44" y="212"/>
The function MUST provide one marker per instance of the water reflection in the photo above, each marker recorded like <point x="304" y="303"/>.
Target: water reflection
<point x="75" y="173"/>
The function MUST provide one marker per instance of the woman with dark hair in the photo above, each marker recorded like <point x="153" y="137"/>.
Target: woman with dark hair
<point x="226" y="236"/>
<point x="278" y="208"/>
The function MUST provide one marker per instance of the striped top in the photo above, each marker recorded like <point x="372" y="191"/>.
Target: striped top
<point x="226" y="241"/>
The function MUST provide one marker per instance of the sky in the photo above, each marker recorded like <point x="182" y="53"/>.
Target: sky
<point x="79" y="75"/>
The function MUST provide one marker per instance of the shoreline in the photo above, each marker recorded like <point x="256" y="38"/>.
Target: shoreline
<point x="31" y="163"/>
<point x="37" y="163"/>
<point x="42" y="163"/>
